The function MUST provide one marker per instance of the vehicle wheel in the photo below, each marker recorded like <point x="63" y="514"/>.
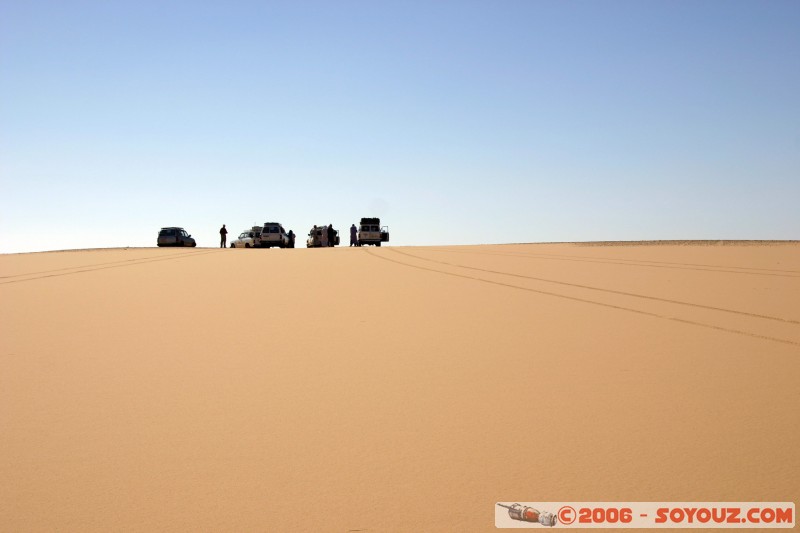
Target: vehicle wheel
<point x="233" y="245"/>
<point x="194" y="244"/>
<point x="378" y="244"/>
<point x="247" y="245"/>
<point x="180" y="243"/>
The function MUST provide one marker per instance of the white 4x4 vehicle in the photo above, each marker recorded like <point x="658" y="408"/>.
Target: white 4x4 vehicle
<point x="318" y="237"/>
<point x="371" y="232"/>
<point x="247" y="239"/>
<point x="272" y="234"/>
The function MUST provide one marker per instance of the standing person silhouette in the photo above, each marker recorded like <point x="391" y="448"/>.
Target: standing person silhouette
<point x="331" y="235"/>
<point x="223" y="236"/>
<point x="353" y="235"/>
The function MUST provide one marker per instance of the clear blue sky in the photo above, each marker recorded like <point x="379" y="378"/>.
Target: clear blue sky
<point x="456" y="122"/>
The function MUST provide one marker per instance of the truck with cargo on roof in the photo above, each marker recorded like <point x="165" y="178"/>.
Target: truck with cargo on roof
<point x="272" y="235"/>
<point x="247" y="238"/>
<point x="371" y="232"/>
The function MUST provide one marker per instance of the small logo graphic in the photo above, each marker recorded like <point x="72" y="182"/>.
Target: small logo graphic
<point x="529" y="514"/>
<point x="638" y="515"/>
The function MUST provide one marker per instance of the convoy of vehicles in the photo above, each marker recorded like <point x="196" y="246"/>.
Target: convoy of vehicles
<point x="273" y="235"/>
<point x="174" y="236"/>
<point x="371" y="232"/>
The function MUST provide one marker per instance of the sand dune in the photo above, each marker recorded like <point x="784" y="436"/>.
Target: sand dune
<point x="392" y="389"/>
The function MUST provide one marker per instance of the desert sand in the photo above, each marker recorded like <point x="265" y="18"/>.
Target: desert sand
<point x="395" y="388"/>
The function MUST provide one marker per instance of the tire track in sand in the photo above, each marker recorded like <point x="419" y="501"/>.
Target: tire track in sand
<point x="103" y="266"/>
<point x="637" y="263"/>
<point x="90" y="266"/>
<point x="611" y="291"/>
<point x="588" y="301"/>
